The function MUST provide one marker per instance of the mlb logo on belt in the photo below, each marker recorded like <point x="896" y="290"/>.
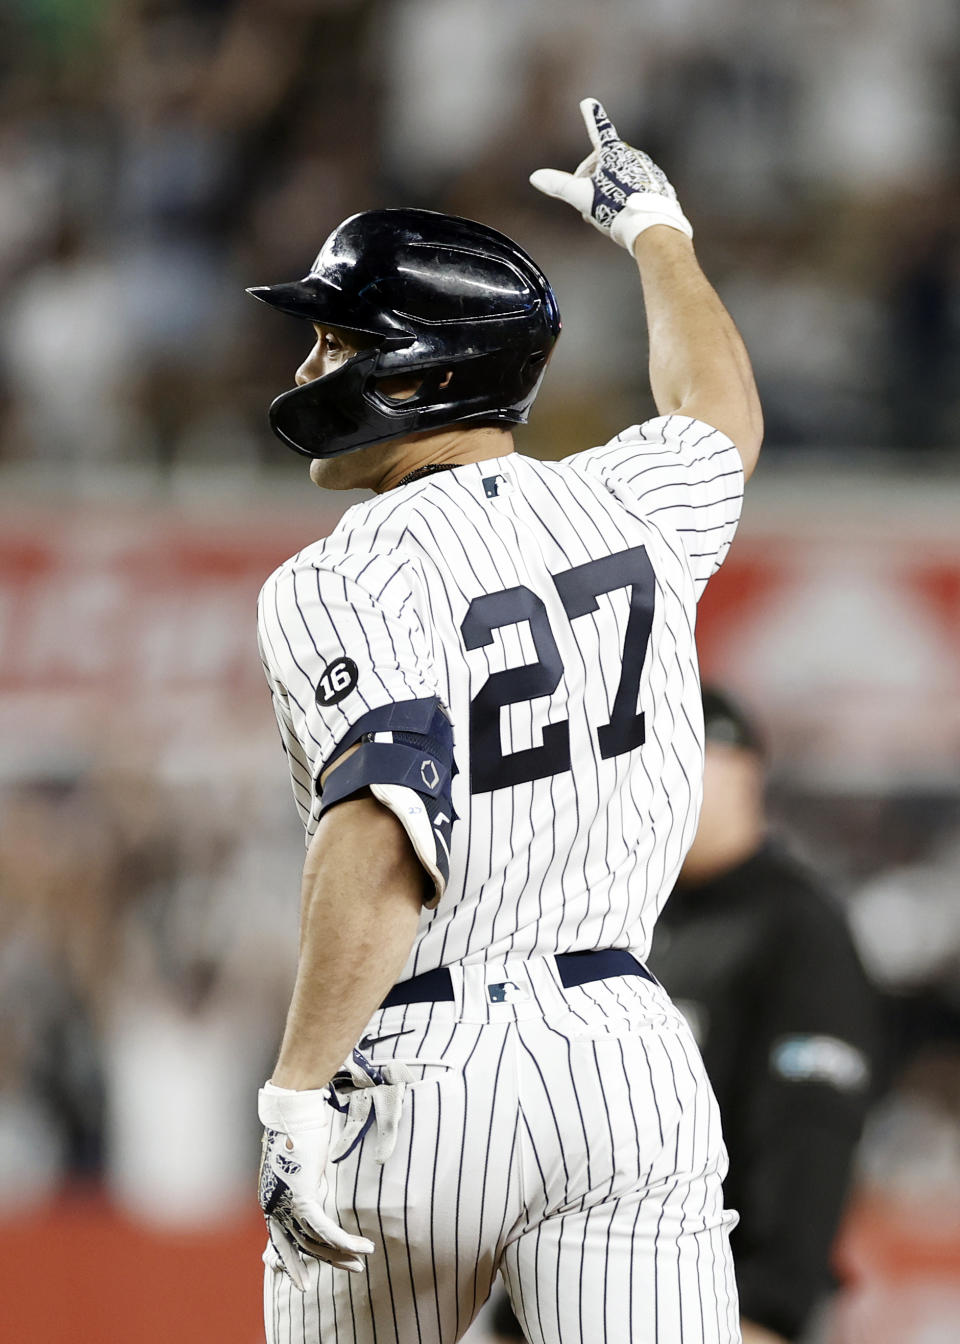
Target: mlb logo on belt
<point x="507" y="992"/>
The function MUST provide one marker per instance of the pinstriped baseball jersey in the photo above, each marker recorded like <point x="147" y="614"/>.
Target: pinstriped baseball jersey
<point x="550" y="607"/>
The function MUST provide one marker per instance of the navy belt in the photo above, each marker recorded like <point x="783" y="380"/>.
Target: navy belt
<point x="576" y="968"/>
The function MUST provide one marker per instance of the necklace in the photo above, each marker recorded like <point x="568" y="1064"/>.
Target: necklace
<point x="428" y="470"/>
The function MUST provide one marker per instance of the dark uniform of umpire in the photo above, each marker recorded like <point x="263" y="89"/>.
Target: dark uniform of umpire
<point x="758" y="956"/>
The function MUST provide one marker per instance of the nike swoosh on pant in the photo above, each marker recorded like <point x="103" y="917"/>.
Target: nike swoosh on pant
<point x="367" y="1041"/>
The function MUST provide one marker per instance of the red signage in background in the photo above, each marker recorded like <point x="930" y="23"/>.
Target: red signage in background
<point x="131" y="604"/>
<point x="133" y="632"/>
<point x="846" y="641"/>
<point x="848" y="648"/>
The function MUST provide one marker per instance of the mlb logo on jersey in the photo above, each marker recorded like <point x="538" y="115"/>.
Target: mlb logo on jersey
<point x="495" y="485"/>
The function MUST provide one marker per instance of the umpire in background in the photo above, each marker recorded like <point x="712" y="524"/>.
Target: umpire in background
<point x="758" y="956"/>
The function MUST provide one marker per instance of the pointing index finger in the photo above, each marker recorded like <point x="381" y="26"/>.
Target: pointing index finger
<point x="600" y="128"/>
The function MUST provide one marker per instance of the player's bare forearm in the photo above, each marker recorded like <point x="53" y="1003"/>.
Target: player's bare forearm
<point x="361" y="901"/>
<point x="699" y="365"/>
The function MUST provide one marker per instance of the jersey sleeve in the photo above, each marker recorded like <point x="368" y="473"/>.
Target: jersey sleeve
<point x="683" y="475"/>
<point x="338" y="641"/>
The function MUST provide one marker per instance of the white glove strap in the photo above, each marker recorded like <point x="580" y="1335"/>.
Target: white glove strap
<point x="285" y="1109"/>
<point x="642" y="212"/>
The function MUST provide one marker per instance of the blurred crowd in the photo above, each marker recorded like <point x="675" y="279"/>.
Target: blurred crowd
<point x="147" y="954"/>
<point x="157" y="156"/>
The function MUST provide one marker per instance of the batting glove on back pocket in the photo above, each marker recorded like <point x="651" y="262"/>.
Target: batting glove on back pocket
<point x="617" y="189"/>
<point x="296" y="1143"/>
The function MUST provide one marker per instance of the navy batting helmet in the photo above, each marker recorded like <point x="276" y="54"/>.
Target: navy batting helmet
<point x="445" y="298"/>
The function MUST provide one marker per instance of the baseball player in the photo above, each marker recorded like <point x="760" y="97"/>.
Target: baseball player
<point x="486" y="684"/>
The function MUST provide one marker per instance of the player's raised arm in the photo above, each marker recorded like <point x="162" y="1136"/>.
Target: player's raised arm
<point x="699" y="366"/>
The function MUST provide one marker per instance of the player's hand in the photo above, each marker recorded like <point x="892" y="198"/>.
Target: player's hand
<point x="617" y="189"/>
<point x="296" y="1141"/>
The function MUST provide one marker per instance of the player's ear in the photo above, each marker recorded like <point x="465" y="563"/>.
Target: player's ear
<point x="400" y="388"/>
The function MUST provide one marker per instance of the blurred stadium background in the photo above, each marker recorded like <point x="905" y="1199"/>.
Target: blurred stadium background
<point x="156" y="156"/>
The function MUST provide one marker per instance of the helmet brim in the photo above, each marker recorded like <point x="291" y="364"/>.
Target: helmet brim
<point x="316" y="300"/>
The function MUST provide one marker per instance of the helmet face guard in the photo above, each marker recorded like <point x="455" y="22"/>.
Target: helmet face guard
<point x="450" y="305"/>
<point x="344" y="411"/>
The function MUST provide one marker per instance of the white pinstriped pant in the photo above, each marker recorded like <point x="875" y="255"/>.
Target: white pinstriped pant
<point x="567" y="1138"/>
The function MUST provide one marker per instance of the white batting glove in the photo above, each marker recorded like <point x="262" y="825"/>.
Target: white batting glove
<point x="617" y="189"/>
<point x="296" y="1142"/>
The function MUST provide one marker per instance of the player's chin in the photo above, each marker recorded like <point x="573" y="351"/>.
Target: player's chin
<point x="332" y="473"/>
<point x="348" y="471"/>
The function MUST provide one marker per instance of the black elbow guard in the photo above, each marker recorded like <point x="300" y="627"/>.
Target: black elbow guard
<point x="405" y="759"/>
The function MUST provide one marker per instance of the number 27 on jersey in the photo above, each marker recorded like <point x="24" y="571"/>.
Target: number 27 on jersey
<point x="578" y="589"/>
